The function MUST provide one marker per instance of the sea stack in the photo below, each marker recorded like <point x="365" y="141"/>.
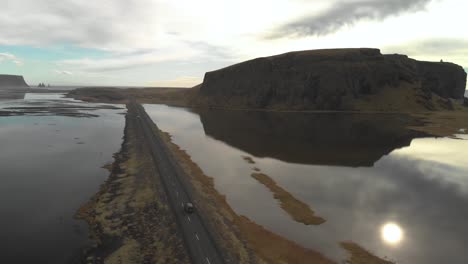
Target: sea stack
<point x="334" y="79"/>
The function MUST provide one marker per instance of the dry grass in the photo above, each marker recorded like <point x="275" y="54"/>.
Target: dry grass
<point x="170" y="96"/>
<point x="248" y="159"/>
<point x="246" y="241"/>
<point x="243" y="240"/>
<point x="360" y="255"/>
<point x="445" y="123"/>
<point x="298" y="210"/>
<point x="129" y="218"/>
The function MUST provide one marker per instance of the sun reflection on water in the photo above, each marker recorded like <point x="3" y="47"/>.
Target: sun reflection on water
<point x="391" y="233"/>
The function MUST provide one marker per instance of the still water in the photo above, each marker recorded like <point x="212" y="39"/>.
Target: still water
<point x="400" y="194"/>
<point x="50" y="162"/>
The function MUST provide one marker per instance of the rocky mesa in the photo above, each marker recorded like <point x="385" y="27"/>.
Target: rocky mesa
<point x="334" y="79"/>
<point x="12" y="81"/>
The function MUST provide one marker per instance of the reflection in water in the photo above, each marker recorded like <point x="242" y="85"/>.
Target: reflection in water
<point x="422" y="188"/>
<point x="325" y="139"/>
<point x="12" y="94"/>
<point x="392" y="233"/>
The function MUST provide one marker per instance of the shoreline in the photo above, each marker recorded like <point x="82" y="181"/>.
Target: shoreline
<point x="437" y="122"/>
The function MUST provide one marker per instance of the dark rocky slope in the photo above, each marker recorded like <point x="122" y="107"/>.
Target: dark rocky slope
<point x="12" y="81"/>
<point x="340" y="79"/>
<point x="12" y="87"/>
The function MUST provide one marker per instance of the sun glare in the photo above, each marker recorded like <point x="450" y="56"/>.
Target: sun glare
<point x="392" y="233"/>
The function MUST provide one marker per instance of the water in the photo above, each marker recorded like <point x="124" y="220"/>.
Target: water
<point x="398" y="193"/>
<point x="50" y="165"/>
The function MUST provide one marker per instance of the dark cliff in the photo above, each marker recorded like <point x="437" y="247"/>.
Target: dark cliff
<point x="12" y="81"/>
<point x="340" y="79"/>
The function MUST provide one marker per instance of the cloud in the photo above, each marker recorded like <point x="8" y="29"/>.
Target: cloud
<point x="105" y="24"/>
<point x="10" y="57"/>
<point x="434" y="46"/>
<point x="125" y="61"/>
<point x="434" y="49"/>
<point x="63" y="72"/>
<point x="183" y="51"/>
<point x="342" y="13"/>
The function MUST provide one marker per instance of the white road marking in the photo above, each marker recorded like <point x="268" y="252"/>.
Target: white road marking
<point x="188" y="217"/>
<point x="208" y="261"/>
<point x="197" y="237"/>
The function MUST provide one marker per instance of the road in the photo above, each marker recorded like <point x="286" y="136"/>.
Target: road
<point x="198" y="241"/>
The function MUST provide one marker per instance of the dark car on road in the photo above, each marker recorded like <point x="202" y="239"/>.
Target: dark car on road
<point x="189" y="208"/>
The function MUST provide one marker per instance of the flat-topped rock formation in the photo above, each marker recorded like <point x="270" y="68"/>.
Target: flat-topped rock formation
<point x="335" y="79"/>
<point x="12" y="87"/>
<point x="12" y="81"/>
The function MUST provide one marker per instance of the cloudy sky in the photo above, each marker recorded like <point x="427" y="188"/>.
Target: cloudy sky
<point x="173" y="43"/>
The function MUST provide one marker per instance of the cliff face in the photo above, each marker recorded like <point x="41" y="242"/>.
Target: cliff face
<point x="12" y="81"/>
<point x="329" y="80"/>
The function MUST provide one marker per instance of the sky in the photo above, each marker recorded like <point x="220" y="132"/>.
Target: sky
<point x="173" y="43"/>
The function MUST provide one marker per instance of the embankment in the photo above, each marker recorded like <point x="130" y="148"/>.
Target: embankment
<point x="129" y="218"/>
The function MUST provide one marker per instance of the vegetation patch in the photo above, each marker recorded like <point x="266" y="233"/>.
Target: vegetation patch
<point x="129" y="218"/>
<point x="298" y="210"/>
<point x="358" y="255"/>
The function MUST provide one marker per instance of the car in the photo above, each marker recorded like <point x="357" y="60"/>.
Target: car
<point x="189" y="208"/>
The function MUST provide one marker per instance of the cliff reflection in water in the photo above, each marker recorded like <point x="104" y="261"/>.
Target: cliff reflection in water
<point x="409" y="206"/>
<point x="352" y="140"/>
<point x="9" y="94"/>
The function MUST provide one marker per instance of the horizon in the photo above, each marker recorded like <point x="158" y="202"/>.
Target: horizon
<point x="73" y="44"/>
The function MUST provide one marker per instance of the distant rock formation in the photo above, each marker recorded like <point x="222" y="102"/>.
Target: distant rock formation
<point x="336" y="79"/>
<point x="12" y="81"/>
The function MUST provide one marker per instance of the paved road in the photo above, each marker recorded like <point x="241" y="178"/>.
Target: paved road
<point x="198" y="241"/>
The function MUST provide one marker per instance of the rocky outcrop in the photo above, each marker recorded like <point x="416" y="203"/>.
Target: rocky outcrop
<point x="12" y="87"/>
<point x="329" y="80"/>
<point x="12" y="81"/>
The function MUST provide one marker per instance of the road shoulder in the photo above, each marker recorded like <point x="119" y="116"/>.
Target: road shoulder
<point x="129" y="218"/>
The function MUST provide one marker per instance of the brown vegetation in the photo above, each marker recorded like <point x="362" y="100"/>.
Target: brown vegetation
<point x="298" y="210"/>
<point x="248" y="159"/>
<point x="244" y="240"/>
<point x="129" y="218"/>
<point x="444" y="123"/>
<point x="360" y="255"/>
<point x="170" y="96"/>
